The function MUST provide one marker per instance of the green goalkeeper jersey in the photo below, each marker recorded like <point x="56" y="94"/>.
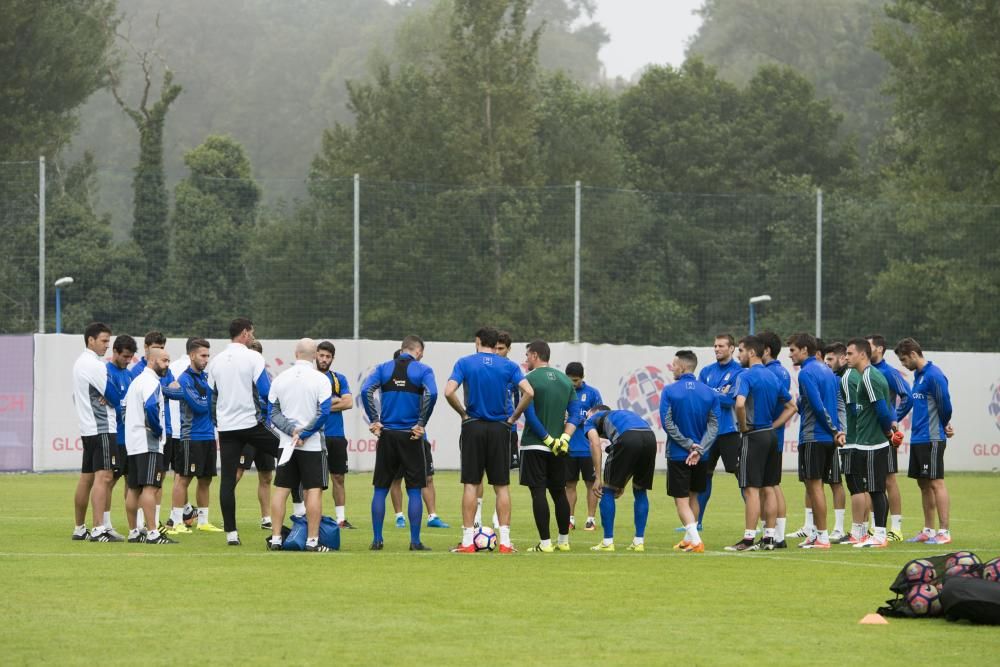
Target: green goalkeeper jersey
<point x="850" y="381"/>
<point x="553" y="394"/>
<point x="871" y="389"/>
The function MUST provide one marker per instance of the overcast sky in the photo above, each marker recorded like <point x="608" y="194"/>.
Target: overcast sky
<point x="644" y="32"/>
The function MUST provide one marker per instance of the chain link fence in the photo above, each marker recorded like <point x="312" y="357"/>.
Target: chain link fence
<point x="383" y="259"/>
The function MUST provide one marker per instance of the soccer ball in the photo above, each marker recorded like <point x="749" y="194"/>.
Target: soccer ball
<point x="960" y="570"/>
<point x="991" y="570"/>
<point x="923" y="600"/>
<point x="484" y="539"/>
<point x="966" y="558"/>
<point x="920" y="572"/>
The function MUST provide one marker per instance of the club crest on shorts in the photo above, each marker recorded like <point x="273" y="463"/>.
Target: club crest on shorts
<point x="192" y="466"/>
<point x="159" y="476"/>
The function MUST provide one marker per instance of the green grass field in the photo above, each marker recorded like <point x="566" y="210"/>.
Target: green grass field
<point x="201" y="602"/>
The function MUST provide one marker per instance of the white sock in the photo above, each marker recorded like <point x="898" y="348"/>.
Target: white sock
<point x="80" y="530"/>
<point x="156" y="519"/>
<point x="153" y="534"/>
<point x="591" y="519"/>
<point x="276" y="539"/>
<point x="466" y="537"/>
<point x="824" y="536"/>
<point x="340" y="513"/>
<point x="312" y="541"/>
<point x="505" y="536"/>
<point x="177" y="516"/>
<point x="809" y="520"/>
<point x="572" y="519"/>
<point x="133" y="533"/>
<point x="563" y="539"/>
<point x="749" y="534"/>
<point x="838" y="521"/>
<point x="431" y="516"/>
<point x="140" y="518"/>
<point x="232" y="536"/>
<point x="299" y="509"/>
<point x="202" y="516"/>
<point x="399" y="515"/>
<point x="638" y="540"/>
<point x="769" y="532"/>
<point x="107" y="520"/>
<point x="944" y="531"/>
<point x="608" y="541"/>
<point x="779" y="529"/>
<point x="880" y="533"/>
<point x="98" y="530"/>
<point x="857" y="530"/>
<point x="265" y="519"/>
<point x="545" y="543"/>
<point x="496" y="520"/>
<point x="897" y="523"/>
<point x="928" y="531"/>
<point x="187" y="508"/>
<point x="691" y="533"/>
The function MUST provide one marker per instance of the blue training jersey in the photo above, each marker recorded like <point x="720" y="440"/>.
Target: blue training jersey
<point x="485" y="378"/>
<point x="762" y="392"/>
<point x="785" y="381"/>
<point x="931" y="405"/>
<point x="196" y="406"/>
<point x="407" y="391"/>
<point x="122" y="379"/>
<point x="689" y="413"/>
<point x="819" y="419"/>
<point x="587" y="397"/>
<point x="900" y="401"/>
<point x="722" y="378"/>
<point x="335" y="420"/>
<point x="611" y="424"/>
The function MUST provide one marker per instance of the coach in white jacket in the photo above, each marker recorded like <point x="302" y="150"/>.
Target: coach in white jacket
<point x="300" y="402"/>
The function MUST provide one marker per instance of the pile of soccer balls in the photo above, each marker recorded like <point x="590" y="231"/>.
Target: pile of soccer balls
<point x="925" y="582"/>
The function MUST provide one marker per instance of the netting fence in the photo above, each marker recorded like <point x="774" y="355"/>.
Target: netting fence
<point x="372" y="259"/>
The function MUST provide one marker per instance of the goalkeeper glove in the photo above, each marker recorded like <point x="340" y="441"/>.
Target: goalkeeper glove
<point x="549" y="442"/>
<point x="561" y="447"/>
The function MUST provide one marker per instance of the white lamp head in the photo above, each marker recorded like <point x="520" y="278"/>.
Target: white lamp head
<point x="63" y="282"/>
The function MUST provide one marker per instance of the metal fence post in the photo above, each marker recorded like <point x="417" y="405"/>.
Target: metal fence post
<point x="357" y="255"/>
<point x="576" y="269"/>
<point x="41" y="244"/>
<point x="819" y="263"/>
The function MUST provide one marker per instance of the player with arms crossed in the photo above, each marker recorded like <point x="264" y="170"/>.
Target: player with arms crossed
<point x="689" y="413"/>
<point x="928" y="436"/>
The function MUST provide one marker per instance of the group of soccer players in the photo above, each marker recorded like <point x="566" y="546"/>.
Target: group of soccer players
<point x="734" y="410"/>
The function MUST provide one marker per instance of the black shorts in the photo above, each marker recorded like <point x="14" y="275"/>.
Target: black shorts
<point x="845" y="455"/>
<point x="195" y="458"/>
<point x="818" y="460"/>
<point x="632" y="457"/>
<point x="121" y="462"/>
<point x="145" y="470"/>
<point x="396" y="451"/>
<point x="170" y="448"/>
<point x="927" y="460"/>
<point x="869" y="468"/>
<point x="485" y="448"/>
<point x="250" y="457"/>
<point x="726" y="447"/>
<point x="307" y="469"/>
<point x="683" y="480"/>
<point x="893" y="459"/>
<point x="336" y="454"/>
<point x="772" y="468"/>
<point x="100" y="452"/>
<point x="578" y="467"/>
<point x="515" y="457"/>
<point x="542" y="470"/>
<point x="428" y="457"/>
<point x="756" y="451"/>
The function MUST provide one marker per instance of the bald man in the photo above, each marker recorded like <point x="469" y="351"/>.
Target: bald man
<point x="300" y="400"/>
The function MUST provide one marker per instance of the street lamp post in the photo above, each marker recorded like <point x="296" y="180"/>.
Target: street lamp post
<point x="763" y="298"/>
<point x="62" y="282"/>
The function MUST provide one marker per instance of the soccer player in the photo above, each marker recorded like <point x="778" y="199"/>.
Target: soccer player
<point x="772" y="348"/>
<point x="631" y="455"/>
<point x="95" y="395"/>
<point x="486" y="424"/>
<point x="854" y="463"/>
<point x="122" y="351"/>
<point x="689" y="413"/>
<point x="835" y="357"/>
<point x="504" y="341"/>
<point x="757" y="392"/>
<point x="407" y="391"/>
<point x="194" y="456"/>
<point x="336" y="442"/>
<point x="239" y="381"/>
<point x="930" y="430"/>
<point x="145" y="436"/>
<point x="155" y="340"/>
<point x="300" y="400"/>
<point x="899" y="405"/>
<point x="177" y="367"/>
<point x="819" y="431"/>
<point x="721" y="376"/>
<point x="542" y="467"/>
<point x="875" y="427"/>
<point x="578" y="463"/>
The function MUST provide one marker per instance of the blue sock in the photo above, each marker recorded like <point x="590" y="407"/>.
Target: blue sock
<point x="414" y="510"/>
<point x="378" y="511"/>
<point x="608" y="513"/>
<point x="703" y="498"/>
<point x="641" y="510"/>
